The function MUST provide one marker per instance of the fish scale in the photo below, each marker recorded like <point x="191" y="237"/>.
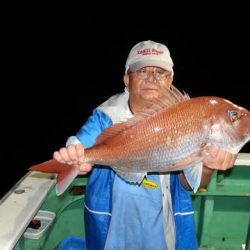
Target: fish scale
<point x="167" y="137"/>
<point x="184" y="128"/>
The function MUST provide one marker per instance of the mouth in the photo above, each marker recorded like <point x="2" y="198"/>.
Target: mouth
<point x="148" y="88"/>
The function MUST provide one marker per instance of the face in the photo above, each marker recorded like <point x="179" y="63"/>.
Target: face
<point x="146" y="84"/>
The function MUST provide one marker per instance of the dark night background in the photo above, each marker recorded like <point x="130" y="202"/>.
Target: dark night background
<point x="62" y="60"/>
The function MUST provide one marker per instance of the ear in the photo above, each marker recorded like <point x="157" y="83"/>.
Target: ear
<point x="126" y="81"/>
<point x="170" y="80"/>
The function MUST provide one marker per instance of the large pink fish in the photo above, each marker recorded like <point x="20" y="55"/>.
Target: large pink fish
<point x="171" y="135"/>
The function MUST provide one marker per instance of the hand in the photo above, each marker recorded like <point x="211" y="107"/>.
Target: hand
<point x="73" y="155"/>
<point x="220" y="159"/>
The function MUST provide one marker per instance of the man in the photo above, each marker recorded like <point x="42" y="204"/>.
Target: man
<point x="121" y="215"/>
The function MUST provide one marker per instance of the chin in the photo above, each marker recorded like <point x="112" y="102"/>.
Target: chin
<point x="150" y="96"/>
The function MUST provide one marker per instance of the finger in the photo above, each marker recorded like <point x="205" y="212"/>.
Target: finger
<point x="57" y="157"/>
<point x="72" y="154"/>
<point x="223" y="160"/>
<point x="64" y="155"/>
<point x="215" y="159"/>
<point x="228" y="162"/>
<point x="210" y="154"/>
<point x="214" y="152"/>
<point x="80" y="153"/>
<point x="85" y="168"/>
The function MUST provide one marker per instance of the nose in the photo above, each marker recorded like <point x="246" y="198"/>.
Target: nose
<point x="152" y="76"/>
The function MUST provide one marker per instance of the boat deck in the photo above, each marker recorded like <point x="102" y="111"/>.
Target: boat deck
<point x="222" y="210"/>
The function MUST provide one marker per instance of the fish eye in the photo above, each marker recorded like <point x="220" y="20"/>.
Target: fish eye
<point x="233" y="115"/>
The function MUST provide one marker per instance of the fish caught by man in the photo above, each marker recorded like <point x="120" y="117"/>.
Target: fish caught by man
<point x="171" y="135"/>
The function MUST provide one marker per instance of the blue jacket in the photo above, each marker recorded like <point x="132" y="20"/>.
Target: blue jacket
<point x="124" y="216"/>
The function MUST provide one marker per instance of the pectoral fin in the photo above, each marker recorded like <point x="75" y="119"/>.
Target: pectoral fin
<point x="135" y="178"/>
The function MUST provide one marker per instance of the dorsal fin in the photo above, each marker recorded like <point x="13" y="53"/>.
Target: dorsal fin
<point x="172" y="96"/>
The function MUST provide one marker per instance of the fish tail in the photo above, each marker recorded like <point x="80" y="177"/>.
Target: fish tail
<point x="65" y="178"/>
<point x="65" y="173"/>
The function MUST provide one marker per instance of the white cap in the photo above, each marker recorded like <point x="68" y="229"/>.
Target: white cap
<point x="149" y="53"/>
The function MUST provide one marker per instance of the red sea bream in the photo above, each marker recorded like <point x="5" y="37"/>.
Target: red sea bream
<point x="171" y="135"/>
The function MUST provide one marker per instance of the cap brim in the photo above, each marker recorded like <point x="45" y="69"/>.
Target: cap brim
<point x="150" y="63"/>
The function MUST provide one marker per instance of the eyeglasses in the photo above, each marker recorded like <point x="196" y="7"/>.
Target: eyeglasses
<point x="159" y="74"/>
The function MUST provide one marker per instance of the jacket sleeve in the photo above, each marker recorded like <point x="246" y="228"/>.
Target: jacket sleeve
<point x="88" y="133"/>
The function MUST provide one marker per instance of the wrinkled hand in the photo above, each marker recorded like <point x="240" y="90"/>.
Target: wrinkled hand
<point x="73" y="155"/>
<point x="220" y="159"/>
